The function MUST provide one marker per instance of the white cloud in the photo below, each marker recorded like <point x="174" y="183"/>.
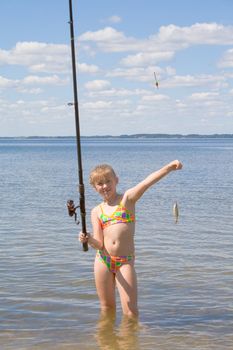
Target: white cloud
<point x="227" y="59"/>
<point x="32" y="91"/>
<point x="114" y="19"/>
<point x="115" y="93"/>
<point x="168" y="78"/>
<point x="142" y="74"/>
<point x="201" y="96"/>
<point x="87" y="68"/>
<point x="196" y="34"/>
<point x="168" y="38"/>
<point x="38" y="57"/>
<point x="157" y="97"/>
<point x="49" y="80"/>
<point x="103" y="105"/>
<point x="102" y="35"/>
<point x="180" y="104"/>
<point x="43" y="58"/>
<point x="110" y="40"/>
<point x="31" y="80"/>
<point x="97" y="85"/>
<point x="143" y="58"/>
<point x="182" y="98"/>
<point x="192" y="81"/>
<point x="8" y="83"/>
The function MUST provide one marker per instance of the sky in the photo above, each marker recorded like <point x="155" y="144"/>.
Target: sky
<point x="121" y="46"/>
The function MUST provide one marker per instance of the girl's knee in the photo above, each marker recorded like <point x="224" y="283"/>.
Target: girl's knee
<point x="107" y="309"/>
<point x="109" y="304"/>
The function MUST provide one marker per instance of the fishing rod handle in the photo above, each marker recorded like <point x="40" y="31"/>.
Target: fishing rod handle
<point x="85" y="247"/>
<point x="85" y="244"/>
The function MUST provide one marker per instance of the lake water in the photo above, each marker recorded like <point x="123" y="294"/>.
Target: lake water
<point x="185" y="270"/>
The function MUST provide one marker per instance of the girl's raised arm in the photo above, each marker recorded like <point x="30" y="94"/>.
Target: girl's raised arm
<point x="137" y="191"/>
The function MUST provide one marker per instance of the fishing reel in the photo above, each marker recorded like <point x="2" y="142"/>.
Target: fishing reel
<point x="72" y="210"/>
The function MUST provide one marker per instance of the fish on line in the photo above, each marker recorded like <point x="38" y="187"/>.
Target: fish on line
<point x="176" y="212"/>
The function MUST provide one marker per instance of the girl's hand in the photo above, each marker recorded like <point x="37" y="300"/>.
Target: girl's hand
<point x="83" y="238"/>
<point x="176" y="165"/>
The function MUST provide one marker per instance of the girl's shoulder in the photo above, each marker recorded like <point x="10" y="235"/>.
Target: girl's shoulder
<point x="97" y="210"/>
<point x="127" y="202"/>
<point x="126" y="197"/>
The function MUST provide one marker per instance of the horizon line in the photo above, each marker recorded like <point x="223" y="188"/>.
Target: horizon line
<point x="137" y="135"/>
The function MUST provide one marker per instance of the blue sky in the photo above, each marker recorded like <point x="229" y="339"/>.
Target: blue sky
<point x="120" y="44"/>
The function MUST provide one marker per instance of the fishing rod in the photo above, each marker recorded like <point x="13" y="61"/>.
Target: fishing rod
<point x="70" y="204"/>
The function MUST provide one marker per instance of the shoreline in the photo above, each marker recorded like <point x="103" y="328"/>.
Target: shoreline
<point x="126" y="136"/>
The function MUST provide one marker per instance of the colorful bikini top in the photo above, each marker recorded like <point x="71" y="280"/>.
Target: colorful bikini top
<point x="120" y="215"/>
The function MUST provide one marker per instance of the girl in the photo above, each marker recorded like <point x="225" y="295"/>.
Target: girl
<point x="113" y="224"/>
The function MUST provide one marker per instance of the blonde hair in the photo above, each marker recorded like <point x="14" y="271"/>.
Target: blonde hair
<point x="100" y="172"/>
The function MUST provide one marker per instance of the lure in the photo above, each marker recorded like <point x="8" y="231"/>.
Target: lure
<point x="176" y="212"/>
<point x="156" y="81"/>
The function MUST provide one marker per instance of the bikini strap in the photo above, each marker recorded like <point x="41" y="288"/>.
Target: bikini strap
<point x="101" y="208"/>
<point x="121" y="204"/>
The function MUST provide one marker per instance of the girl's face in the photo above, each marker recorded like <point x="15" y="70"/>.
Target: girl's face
<point x="106" y="186"/>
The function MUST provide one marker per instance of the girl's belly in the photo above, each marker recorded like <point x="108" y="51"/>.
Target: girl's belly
<point x="119" y="240"/>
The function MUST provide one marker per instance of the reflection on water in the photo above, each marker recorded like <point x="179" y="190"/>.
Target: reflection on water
<point x="111" y="337"/>
<point x="131" y="334"/>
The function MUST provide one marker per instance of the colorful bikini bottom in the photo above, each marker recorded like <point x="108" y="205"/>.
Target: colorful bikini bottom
<point x="113" y="263"/>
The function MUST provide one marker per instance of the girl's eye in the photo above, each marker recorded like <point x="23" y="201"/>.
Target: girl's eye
<point x="105" y="182"/>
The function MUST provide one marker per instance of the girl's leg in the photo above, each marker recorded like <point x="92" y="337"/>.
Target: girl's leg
<point x="105" y="331"/>
<point x="126" y="281"/>
<point x="105" y="286"/>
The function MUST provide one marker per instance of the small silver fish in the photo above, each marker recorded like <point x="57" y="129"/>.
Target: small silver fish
<point x="176" y="212"/>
